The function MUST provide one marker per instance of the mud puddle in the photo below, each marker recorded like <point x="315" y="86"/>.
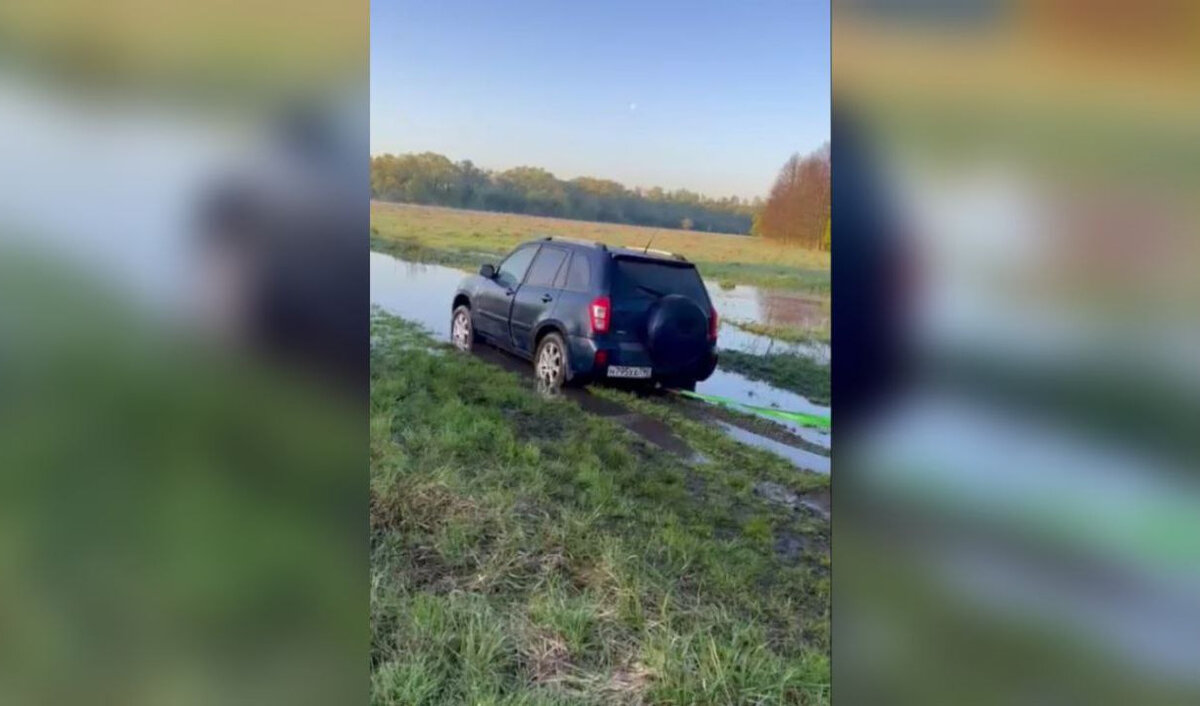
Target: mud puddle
<point x="817" y="502"/>
<point x="743" y="390"/>
<point x="801" y="458"/>
<point x="652" y="430"/>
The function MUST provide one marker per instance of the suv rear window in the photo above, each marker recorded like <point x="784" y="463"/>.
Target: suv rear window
<point x="650" y="280"/>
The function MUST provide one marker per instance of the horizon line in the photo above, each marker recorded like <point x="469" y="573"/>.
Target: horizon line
<point x="582" y="176"/>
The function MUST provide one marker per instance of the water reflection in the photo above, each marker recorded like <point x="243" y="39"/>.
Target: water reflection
<point x="806" y="460"/>
<point x="774" y="307"/>
<point x="415" y="291"/>
<point x="732" y="338"/>
<point x="769" y="306"/>
<point x="743" y="390"/>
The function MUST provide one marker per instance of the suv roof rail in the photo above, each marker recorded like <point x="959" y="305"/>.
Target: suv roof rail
<point x="577" y="241"/>
<point x="665" y="253"/>
<point x="625" y="250"/>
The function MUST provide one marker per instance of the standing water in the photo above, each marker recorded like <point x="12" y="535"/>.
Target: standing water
<point x="773" y="307"/>
<point x="415" y="291"/>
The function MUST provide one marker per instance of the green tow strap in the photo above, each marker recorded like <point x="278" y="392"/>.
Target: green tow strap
<point x="814" y="421"/>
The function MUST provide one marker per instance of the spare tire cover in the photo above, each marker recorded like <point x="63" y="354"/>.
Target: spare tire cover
<point x="676" y="331"/>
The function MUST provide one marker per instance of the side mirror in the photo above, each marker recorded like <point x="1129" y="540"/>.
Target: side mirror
<point x="488" y="271"/>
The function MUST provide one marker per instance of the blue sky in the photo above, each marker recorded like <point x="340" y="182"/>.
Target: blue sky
<point x="708" y="96"/>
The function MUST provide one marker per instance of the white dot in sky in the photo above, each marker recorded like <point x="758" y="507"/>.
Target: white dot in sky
<point x="632" y="107"/>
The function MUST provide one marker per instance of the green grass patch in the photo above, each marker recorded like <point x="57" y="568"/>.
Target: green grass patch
<point x="787" y="371"/>
<point x="524" y="551"/>
<point x="731" y="274"/>
<point x="784" y="332"/>
<point x="413" y="250"/>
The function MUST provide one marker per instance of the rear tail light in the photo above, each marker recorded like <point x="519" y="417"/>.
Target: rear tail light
<point x="713" y="323"/>
<point x="601" y="359"/>
<point x="600" y="311"/>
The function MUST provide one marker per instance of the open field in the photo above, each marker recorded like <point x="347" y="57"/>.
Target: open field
<point x="524" y="551"/>
<point x="466" y="238"/>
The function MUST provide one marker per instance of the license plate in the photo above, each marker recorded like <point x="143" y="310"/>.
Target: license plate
<point x="628" y="371"/>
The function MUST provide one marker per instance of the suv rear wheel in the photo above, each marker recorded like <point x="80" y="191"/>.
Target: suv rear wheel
<point x="550" y="361"/>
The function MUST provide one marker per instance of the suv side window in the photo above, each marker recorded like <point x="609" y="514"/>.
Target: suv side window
<point x="546" y="266"/>
<point x="512" y="270"/>
<point x="577" y="277"/>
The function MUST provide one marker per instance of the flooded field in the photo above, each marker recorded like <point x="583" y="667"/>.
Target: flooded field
<point x="733" y="338"/>
<point x="421" y="292"/>
<point x="773" y="307"/>
<point x="414" y="291"/>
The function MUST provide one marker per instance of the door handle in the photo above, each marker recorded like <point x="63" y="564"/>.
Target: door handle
<point x="546" y="298"/>
<point x="509" y="292"/>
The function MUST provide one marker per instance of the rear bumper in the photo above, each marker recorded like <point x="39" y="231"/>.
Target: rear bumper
<point x="583" y="355"/>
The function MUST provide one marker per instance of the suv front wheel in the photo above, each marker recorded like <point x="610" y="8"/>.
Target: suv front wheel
<point x="462" y="331"/>
<point x="550" y="361"/>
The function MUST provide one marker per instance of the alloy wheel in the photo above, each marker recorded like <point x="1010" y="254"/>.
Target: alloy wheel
<point x="550" y="363"/>
<point x="460" y="330"/>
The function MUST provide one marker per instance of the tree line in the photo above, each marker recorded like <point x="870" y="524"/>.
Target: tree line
<point x="796" y="212"/>
<point x="430" y="178"/>
<point x="798" y="208"/>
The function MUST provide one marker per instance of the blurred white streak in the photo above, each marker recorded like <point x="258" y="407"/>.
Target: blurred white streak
<point x="110" y="186"/>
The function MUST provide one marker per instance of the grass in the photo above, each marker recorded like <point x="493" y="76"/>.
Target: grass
<point x="525" y="552"/>
<point x="784" y="332"/>
<point x="804" y="279"/>
<point x="788" y="371"/>
<point x="414" y="250"/>
<point x="468" y="238"/>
